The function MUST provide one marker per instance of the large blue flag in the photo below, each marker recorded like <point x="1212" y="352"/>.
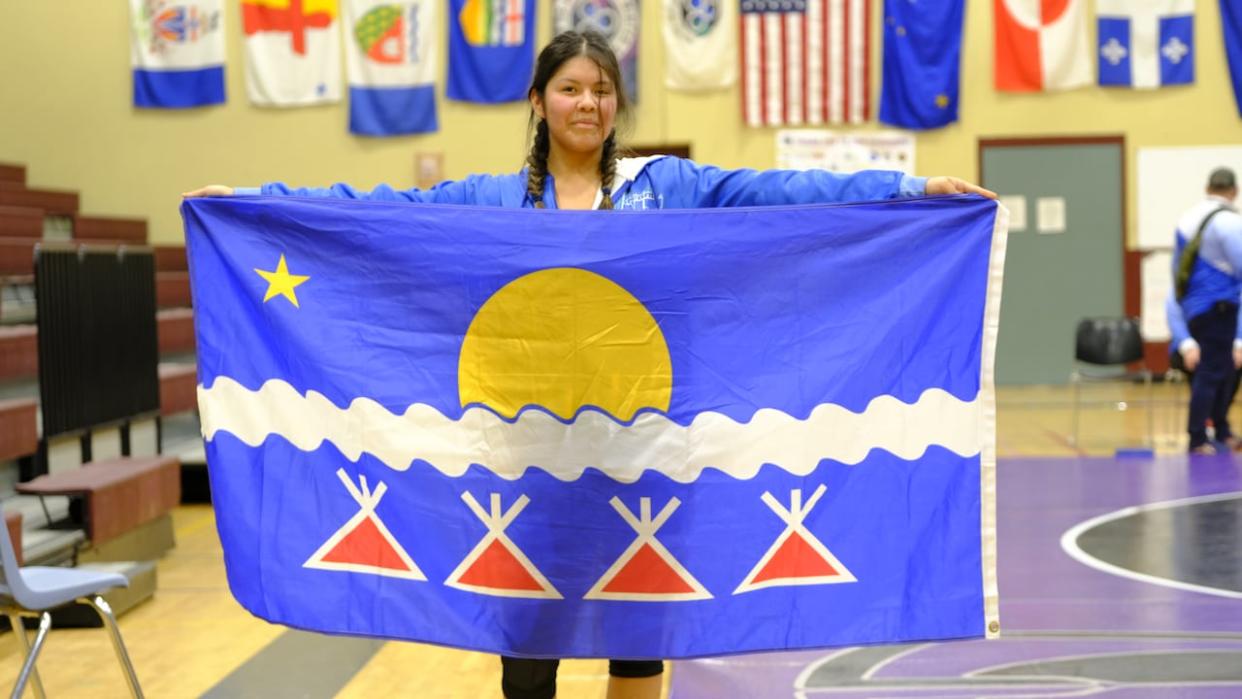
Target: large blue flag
<point x="610" y="434"/>
<point x="491" y="50"/>
<point x="922" y="63"/>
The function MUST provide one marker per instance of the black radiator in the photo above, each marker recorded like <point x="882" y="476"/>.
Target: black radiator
<point x="98" y="350"/>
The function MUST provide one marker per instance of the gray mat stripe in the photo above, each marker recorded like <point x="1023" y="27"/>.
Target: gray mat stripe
<point x="298" y="664"/>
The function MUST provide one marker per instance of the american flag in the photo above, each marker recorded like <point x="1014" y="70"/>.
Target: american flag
<point x="806" y="62"/>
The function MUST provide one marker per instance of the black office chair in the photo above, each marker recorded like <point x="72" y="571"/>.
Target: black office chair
<point x="1102" y="349"/>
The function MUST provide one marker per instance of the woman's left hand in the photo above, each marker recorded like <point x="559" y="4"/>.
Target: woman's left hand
<point x="952" y="185"/>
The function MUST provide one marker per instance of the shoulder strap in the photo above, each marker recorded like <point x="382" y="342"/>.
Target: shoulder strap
<point x="1191" y="253"/>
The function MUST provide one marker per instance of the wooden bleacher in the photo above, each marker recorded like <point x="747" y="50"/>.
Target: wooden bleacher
<point x="110" y="508"/>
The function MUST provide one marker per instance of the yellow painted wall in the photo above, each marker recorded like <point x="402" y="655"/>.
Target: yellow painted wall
<point x="65" y="111"/>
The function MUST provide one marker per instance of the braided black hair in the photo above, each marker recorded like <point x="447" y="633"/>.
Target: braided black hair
<point x="537" y="164"/>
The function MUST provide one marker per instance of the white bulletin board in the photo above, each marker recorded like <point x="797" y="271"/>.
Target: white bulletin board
<point x="1171" y="180"/>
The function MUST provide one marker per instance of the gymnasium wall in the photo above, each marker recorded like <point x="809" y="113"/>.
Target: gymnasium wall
<point x="65" y="111"/>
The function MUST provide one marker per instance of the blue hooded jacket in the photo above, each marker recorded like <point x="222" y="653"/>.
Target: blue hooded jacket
<point x="656" y="182"/>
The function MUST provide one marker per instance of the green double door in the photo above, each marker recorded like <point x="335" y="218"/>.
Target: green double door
<point x="1073" y="268"/>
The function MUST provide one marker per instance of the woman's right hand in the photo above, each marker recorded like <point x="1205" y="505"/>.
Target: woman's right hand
<point x="211" y="190"/>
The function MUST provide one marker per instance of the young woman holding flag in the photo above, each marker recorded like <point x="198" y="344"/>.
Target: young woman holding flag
<point x="577" y="99"/>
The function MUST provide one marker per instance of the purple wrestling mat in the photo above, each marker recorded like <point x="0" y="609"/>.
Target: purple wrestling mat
<point x="1118" y="578"/>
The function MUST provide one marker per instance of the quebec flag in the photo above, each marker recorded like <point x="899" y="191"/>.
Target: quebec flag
<point x="603" y="434"/>
<point x="491" y="50"/>
<point x="1146" y="43"/>
<point x="391" y="60"/>
<point x="177" y="53"/>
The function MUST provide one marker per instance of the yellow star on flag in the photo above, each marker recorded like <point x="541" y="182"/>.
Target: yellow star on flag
<point x="281" y="283"/>
<point x="942" y="100"/>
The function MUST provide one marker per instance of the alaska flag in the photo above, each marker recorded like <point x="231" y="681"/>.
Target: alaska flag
<point x="491" y="50"/>
<point x="922" y="63"/>
<point x="1231" y="27"/>
<point x="1146" y="44"/>
<point x="603" y="434"/>
<point x="177" y="54"/>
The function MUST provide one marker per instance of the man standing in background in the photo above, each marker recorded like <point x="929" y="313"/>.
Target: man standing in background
<point x="1203" y="310"/>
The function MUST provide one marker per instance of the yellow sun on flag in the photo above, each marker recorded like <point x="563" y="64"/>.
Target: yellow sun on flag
<point x="562" y="339"/>
<point x="281" y="283"/>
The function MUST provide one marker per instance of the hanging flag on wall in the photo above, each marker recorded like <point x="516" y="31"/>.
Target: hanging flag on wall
<point x="491" y="50"/>
<point x="578" y="435"/>
<point x="1041" y="45"/>
<point x="293" y="54"/>
<point x="177" y="53"/>
<point x="1146" y="43"/>
<point x="700" y="44"/>
<point x="618" y="20"/>
<point x="806" y="62"/>
<point x="1231" y="27"/>
<point x="922" y="63"/>
<point x="391" y="58"/>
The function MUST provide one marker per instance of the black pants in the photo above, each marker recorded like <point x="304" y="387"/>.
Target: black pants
<point x="525" y="678"/>
<point x="1211" y="388"/>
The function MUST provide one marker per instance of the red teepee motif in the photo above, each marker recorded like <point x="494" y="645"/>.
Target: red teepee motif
<point x="364" y="544"/>
<point x="796" y="557"/>
<point x="496" y="566"/>
<point x="646" y="571"/>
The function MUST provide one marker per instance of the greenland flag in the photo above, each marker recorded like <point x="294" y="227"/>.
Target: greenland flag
<point x="1041" y="45"/>
<point x="1146" y="43"/>
<point x="293" y="54"/>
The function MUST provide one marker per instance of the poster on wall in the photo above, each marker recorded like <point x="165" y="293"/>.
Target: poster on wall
<point x="844" y="151"/>
<point x="618" y="20"/>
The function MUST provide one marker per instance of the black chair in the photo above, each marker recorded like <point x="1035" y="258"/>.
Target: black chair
<point x="1102" y="349"/>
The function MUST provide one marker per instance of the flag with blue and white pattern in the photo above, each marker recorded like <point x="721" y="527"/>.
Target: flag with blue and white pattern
<point x="603" y="434"/>
<point x="1146" y="43"/>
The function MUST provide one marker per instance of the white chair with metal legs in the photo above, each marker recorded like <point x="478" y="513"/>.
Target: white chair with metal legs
<point x="34" y="590"/>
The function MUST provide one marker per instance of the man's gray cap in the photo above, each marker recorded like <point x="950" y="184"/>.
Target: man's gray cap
<point x="1222" y="178"/>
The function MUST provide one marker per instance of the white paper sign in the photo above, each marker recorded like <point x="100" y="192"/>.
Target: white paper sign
<point x="806" y="149"/>
<point x="1017" y="212"/>
<point x="1157" y="281"/>
<point x="1050" y="214"/>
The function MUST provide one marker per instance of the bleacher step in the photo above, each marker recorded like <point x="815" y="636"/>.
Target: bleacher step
<point x="53" y="202"/>
<point x="21" y="222"/>
<point x="19" y="352"/>
<point x="19" y="428"/>
<point x="107" y="229"/>
<point x="13" y="173"/>
<point x="175" y="327"/>
<point x="17" y="257"/>
<point x="172" y="289"/>
<point x="171" y="258"/>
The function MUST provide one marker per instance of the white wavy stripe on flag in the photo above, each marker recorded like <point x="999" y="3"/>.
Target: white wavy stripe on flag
<point x="592" y="440"/>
